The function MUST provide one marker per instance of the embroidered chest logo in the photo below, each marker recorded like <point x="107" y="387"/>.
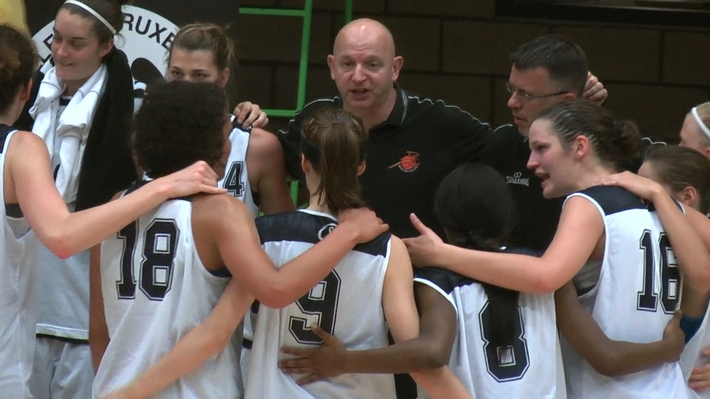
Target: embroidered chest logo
<point x="517" y="179"/>
<point x="408" y="163"/>
<point x="325" y="230"/>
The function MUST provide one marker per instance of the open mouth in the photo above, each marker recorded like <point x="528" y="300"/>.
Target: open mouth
<point x="542" y="176"/>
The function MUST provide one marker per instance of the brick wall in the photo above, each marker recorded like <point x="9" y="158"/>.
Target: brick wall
<point x="456" y="50"/>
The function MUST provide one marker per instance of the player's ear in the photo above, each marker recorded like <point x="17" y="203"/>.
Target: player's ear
<point x="305" y="165"/>
<point x="361" y="168"/>
<point x="223" y="78"/>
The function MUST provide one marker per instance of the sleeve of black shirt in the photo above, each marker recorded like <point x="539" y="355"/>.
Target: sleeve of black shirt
<point x="290" y="140"/>
<point x="470" y="135"/>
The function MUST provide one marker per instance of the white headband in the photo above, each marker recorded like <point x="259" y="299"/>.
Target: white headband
<point x="700" y="122"/>
<point x="94" y="13"/>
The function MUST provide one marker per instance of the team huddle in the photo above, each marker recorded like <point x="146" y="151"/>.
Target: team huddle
<point x="563" y="256"/>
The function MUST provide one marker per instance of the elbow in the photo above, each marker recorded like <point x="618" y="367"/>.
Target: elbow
<point x="545" y="284"/>
<point x="436" y="357"/>
<point x="437" y="361"/>
<point x="60" y="245"/>
<point x="276" y="296"/>
<point x="609" y="366"/>
<point x="608" y="370"/>
<point x="701" y="282"/>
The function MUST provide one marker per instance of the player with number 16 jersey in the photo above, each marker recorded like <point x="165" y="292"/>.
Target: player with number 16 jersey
<point x="629" y="302"/>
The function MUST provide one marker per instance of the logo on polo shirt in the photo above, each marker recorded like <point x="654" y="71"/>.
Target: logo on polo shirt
<point x="517" y="179"/>
<point x="408" y="163"/>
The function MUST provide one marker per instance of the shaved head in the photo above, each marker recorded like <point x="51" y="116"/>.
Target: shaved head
<point x="362" y="31"/>
<point x="364" y="67"/>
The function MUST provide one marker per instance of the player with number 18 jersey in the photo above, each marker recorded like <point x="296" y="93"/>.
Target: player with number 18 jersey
<point x="155" y="290"/>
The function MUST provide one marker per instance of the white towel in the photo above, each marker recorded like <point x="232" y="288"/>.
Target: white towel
<point x="72" y="128"/>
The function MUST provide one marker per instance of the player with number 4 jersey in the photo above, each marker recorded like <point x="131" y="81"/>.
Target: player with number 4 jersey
<point x="255" y="172"/>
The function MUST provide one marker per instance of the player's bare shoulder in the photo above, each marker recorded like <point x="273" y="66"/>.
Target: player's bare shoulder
<point x="263" y="144"/>
<point x="210" y="210"/>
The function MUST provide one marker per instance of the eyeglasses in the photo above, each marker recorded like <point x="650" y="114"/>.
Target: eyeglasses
<point x="523" y="96"/>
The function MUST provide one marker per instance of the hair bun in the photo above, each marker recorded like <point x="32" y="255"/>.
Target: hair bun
<point x="628" y="139"/>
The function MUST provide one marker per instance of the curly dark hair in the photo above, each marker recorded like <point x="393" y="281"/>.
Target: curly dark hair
<point x="178" y="124"/>
<point x="18" y="58"/>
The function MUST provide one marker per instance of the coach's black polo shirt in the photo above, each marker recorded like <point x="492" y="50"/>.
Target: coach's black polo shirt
<point x="408" y="155"/>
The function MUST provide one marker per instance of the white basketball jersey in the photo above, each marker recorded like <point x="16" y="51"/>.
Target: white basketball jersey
<point x="692" y="356"/>
<point x="236" y="177"/>
<point x="635" y="297"/>
<point x="155" y="290"/>
<point x="529" y="368"/>
<point x="347" y="303"/>
<point x="17" y="311"/>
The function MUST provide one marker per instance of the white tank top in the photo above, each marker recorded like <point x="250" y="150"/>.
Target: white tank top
<point x="17" y="310"/>
<point x="155" y="290"/>
<point x="347" y="303"/>
<point x="634" y="299"/>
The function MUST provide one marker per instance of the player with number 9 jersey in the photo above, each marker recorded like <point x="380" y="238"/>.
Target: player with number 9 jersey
<point x="347" y="303"/>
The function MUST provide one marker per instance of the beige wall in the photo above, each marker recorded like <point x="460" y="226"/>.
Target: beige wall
<point x="457" y="51"/>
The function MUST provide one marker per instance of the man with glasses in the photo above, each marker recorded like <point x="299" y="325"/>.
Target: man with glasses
<point x="546" y="70"/>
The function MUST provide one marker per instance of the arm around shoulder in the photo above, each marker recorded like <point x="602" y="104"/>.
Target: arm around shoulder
<point x="606" y="356"/>
<point x="227" y="227"/>
<point x="570" y="249"/>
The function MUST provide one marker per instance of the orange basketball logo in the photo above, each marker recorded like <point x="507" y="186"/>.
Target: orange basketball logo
<point x="408" y="163"/>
